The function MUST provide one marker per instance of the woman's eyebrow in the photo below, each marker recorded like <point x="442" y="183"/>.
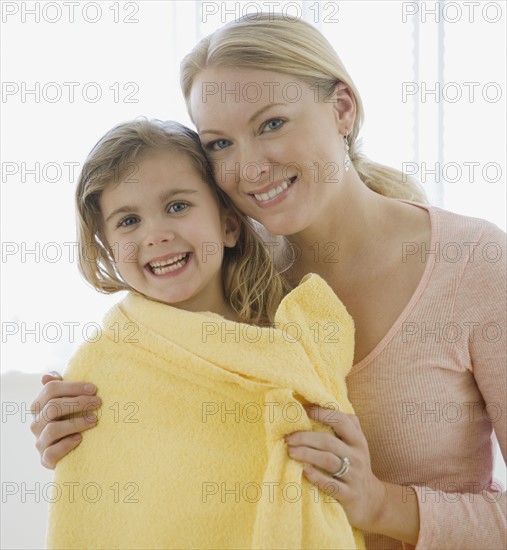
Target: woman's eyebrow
<point x="263" y="109"/>
<point x="251" y="119"/>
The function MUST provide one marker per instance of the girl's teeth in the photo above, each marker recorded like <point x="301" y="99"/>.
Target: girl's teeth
<point x="273" y="192"/>
<point x="161" y="268"/>
<point x="168" y="262"/>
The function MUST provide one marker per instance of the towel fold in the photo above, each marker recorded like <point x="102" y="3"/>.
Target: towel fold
<point x="189" y="449"/>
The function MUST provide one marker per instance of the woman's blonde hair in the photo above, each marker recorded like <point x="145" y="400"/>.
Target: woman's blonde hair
<point x="250" y="281"/>
<point x="288" y="45"/>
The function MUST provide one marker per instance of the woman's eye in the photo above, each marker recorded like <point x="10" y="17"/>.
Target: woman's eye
<point x="274" y="124"/>
<point x="218" y="145"/>
<point x="129" y="220"/>
<point x="176" y="207"/>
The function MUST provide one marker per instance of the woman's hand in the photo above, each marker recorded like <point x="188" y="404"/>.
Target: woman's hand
<point x="361" y="494"/>
<point x="57" y="399"/>
<point x="370" y="504"/>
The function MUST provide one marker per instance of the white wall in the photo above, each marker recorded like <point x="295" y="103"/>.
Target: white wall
<point x="24" y="481"/>
<point x="131" y="54"/>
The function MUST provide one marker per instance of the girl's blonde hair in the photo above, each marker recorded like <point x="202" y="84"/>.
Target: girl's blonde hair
<point x="288" y="45"/>
<point x="250" y="281"/>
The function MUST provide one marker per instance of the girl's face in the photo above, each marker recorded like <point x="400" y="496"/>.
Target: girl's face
<point x="167" y="233"/>
<point x="276" y="150"/>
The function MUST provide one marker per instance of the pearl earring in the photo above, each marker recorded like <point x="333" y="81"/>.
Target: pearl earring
<point x="346" y="160"/>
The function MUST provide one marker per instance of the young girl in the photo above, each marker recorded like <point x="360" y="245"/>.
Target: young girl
<point x="189" y="449"/>
<point x="187" y="245"/>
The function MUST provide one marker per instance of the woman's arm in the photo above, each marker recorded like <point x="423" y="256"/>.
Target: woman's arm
<point x="55" y="435"/>
<point x="477" y="518"/>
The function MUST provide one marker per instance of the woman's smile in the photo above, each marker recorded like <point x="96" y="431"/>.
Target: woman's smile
<point x="273" y="193"/>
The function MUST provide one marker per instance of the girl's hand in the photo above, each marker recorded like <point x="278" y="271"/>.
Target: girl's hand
<point x="57" y="437"/>
<point x="361" y="494"/>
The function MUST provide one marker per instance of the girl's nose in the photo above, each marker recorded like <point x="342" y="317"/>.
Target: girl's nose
<point x="159" y="233"/>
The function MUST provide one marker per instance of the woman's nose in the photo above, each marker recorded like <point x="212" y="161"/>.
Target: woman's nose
<point x="254" y="164"/>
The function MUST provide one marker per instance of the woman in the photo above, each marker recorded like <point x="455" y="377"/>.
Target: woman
<point x="426" y="289"/>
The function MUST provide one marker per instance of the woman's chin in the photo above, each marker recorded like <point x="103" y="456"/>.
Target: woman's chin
<point x="283" y="225"/>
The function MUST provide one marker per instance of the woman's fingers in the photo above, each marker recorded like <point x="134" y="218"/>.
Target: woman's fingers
<point x="345" y="426"/>
<point x="52" y="455"/>
<point x="316" y="440"/>
<point x="55" y="431"/>
<point x="57" y="434"/>
<point x="57" y="408"/>
<point x="53" y="375"/>
<point x="57" y="388"/>
<point x="59" y="438"/>
<point x="54" y="390"/>
<point x="333" y="487"/>
<point x="327" y="461"/>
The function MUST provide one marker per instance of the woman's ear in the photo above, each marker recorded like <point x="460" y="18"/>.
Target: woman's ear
<point x="344" y="105"/>
<point x="231" y="229"/>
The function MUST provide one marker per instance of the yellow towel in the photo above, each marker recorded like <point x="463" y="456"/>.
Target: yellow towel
<point x="189" y="449"/>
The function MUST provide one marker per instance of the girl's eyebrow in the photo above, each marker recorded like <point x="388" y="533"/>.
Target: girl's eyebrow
<point x="121" y="210"/>
<point x="162" y="197"/>
<point x="251" y="119"/>
<point x="168" y="194"/>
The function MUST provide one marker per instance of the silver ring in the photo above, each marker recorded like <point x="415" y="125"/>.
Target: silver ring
<point x="344" y="469"/>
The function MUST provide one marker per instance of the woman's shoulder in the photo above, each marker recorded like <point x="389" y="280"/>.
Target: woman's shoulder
<point x="448" y="225"/>
<point x="472" y="249"/>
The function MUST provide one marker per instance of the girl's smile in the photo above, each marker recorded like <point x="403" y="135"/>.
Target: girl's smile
<point x="173" y="265"/>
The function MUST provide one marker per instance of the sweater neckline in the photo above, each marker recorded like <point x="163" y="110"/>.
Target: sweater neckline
<point x="423" y="283"/>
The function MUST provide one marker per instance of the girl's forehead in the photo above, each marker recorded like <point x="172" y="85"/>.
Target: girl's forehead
<point x="166" y="160"/>
<point x="155" y="168"/>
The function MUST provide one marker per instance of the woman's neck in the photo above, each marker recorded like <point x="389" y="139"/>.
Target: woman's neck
<point x="346" y="233"/>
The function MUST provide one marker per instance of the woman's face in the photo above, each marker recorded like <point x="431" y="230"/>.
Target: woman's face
<point x="276" y="150"/>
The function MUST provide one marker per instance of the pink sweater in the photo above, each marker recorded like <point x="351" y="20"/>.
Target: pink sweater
<point x="433" y="390"/>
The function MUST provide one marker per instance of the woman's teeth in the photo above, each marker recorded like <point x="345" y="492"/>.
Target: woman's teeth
<point x="161" y="268"/>
<point x="274" y="192"/>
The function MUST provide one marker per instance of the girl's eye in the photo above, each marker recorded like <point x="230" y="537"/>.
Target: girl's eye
<point x="274" y="124"/>
<point x="176" y="207"/>
<point x="218" y="145"/>
<point x="129" y="220"/>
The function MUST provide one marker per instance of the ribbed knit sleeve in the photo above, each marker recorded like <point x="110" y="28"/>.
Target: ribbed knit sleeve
<point x="477" y="518"/>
